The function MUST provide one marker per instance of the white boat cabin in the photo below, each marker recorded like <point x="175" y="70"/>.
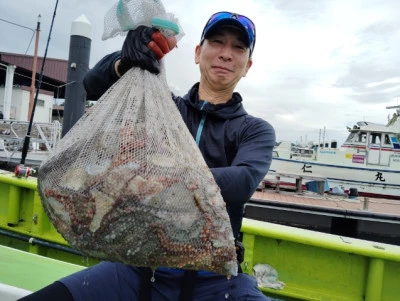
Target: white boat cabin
<point x="375" y="142"/>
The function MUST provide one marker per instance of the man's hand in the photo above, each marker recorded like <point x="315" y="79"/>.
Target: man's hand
<point x="144" y="47"/>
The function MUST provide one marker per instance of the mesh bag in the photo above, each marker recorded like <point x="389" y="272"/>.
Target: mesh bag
<point x="129" y="14"/>
<point x="129" y="184"/>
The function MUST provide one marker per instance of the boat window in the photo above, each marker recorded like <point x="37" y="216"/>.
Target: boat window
<point x="351" y="137"/>
<point x="362" y="137"/>
<point x="375" y="138"/>
<point x="387" y="140"/>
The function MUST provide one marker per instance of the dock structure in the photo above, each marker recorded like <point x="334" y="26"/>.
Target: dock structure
<point x="44" y="137"/>
<point x="376" y="219"/>
<point x="299" y="180"/>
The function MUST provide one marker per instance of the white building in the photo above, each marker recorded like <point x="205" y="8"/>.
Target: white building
<point x="18" y="82"/>
<point x="20" y="104"/>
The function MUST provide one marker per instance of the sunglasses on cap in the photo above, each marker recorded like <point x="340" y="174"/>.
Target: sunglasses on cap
<point x="246" y="24"/>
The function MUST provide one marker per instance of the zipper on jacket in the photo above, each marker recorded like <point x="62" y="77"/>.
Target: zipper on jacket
<point x="201" y="124"/>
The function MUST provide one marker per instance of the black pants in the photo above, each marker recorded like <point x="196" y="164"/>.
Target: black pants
<point x="55" y="291"/>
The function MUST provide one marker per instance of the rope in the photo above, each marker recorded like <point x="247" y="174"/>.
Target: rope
<point x="33" y="34"/>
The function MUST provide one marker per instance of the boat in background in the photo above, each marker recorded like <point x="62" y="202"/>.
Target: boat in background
<point x="368" y="161"/>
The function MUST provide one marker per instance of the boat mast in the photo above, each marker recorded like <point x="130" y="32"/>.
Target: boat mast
<point x="33" y="81"/>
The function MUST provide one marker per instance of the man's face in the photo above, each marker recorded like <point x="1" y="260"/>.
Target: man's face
<point x="223" y="59"/>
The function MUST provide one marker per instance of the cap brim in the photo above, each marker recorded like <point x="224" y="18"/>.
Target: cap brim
<point x="230" y="23"/>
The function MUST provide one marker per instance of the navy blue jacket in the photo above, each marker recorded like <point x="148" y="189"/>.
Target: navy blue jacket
<point x="236" y="146"/>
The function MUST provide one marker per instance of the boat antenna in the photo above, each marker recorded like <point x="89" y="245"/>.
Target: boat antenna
<point x="20" y="169"/>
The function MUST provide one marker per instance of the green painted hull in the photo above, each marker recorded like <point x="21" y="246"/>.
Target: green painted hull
<point x="313" y="265"/>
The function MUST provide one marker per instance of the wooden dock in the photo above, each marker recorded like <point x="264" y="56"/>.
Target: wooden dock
<point x="299" y="177"/>
<point x="373" y="205"/>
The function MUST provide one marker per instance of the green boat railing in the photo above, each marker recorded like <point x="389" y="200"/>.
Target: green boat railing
<point x="313" y="265"/>
<point x="319" y="266"/>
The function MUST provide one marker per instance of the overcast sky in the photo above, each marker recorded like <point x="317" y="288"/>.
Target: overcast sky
<point x="317" y="63"/>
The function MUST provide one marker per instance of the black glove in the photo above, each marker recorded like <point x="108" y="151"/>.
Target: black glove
<point x="143" y="47"/>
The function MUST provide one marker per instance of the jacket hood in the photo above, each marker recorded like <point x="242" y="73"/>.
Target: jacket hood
<point x="229" y="110"/>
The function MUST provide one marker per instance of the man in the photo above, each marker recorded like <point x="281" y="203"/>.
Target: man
<point x="237" y="148"/>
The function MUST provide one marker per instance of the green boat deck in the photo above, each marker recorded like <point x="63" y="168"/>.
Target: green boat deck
<point x="30" y="271"/>
<point x="313" y="265"/>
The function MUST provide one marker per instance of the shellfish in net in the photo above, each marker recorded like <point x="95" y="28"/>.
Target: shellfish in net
<point x="128" y="183"/>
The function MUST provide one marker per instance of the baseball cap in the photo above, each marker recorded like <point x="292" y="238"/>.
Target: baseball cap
<point x="232" y="19"/>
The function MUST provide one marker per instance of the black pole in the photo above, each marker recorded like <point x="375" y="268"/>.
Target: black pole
<point x="40" y="242"/>
<point x="78" y="66"/>
<point x="28" y="134"/>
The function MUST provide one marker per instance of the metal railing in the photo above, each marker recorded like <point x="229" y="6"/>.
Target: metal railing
<point x="44" y="136"/>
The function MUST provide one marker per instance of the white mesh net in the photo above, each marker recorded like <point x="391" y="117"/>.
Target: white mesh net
<point x="128" y="183"/>
<point x="128" y="14"/>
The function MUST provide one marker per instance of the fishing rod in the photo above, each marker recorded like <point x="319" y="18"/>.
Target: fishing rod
<point x="21" y="170"/>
